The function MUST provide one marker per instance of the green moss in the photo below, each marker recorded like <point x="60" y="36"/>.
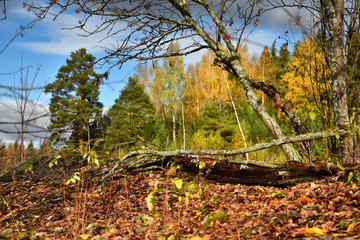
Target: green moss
<point x="215" y="216"/>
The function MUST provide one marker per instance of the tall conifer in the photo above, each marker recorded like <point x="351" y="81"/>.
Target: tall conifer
<point x="74" y="103"/>
<point x="132" y="115"/>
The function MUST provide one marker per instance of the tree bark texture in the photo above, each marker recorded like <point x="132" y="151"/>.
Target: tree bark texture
<point x="334" y="17"/>
<point x="252" y="98"/>
<point x="296" y="125"/>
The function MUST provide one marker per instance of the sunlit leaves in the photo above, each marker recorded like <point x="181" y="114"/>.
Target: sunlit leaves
<point x="74" y="178"/>
<point x="54" y="161"/>
<point x="307" y="76"/>
<point x="178" y="183"/>
<point x="278" y="194"/>
<point x="150" y="201"/>
<point x="314" y="231"/>
<point x="201" y="165"/>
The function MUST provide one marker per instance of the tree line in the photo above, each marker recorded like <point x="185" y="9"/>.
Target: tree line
<point x="312" y="88"/>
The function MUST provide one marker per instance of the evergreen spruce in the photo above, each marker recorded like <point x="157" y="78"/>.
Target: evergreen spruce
<point x="132" y="116"/>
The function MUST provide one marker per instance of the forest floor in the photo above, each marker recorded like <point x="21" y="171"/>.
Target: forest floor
<point x="182" y="207"/>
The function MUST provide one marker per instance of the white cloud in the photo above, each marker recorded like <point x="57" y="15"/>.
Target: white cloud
<point x="53" y="38"/>
<point x="10" y="114"/>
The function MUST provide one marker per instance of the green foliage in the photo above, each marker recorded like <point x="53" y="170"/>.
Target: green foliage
<point x="279" y="193"/>
<point x="74" y="100"/>
<point x="29" y="169"/>
<point x="132" y="116"/>
<point x="216" y="128"/>
<point x="254" y="128"/>
<point x="161" y="134"/>
<point x="279" y="64"/>
<point x="221" y="217"/>
<point x="354" y="177"/>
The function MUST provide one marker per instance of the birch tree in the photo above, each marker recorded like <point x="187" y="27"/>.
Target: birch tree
<point x="340" y="20"/>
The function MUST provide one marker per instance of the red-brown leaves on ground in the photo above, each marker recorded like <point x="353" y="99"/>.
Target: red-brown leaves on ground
<point x="49" y="209"/>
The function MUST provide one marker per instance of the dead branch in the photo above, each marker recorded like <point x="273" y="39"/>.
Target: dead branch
<point x="144" y="158"/>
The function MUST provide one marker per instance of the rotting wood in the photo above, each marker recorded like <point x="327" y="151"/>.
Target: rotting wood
<point x="227" y="169"/>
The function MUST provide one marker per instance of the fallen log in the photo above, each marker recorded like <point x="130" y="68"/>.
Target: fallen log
<point x="237" y="171"/>
<point x="226" y="168"/>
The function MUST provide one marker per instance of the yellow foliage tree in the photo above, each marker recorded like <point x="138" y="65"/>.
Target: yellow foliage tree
<point x="308" y="78"/>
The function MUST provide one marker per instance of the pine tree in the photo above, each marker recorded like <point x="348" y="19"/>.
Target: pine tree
<point x="75" y="102"/>
<point x="132" y="115"/>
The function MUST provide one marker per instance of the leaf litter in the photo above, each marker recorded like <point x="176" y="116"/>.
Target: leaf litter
<point x="48" y="208"/>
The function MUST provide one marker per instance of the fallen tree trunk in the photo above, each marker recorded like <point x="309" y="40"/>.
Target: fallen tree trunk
<point x="224" y="167"/>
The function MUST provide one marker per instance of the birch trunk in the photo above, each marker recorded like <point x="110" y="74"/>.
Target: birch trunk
<point x="174" y="129"/>
<point x="334" y="13"/>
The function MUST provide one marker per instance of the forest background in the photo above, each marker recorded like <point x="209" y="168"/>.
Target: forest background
<point x="167" y="106"/>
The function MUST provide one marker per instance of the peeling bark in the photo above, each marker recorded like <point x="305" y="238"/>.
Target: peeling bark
<point x="334" y="18"/>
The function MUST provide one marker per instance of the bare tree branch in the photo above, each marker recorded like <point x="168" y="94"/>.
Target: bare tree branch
<point x="19" y="33"/>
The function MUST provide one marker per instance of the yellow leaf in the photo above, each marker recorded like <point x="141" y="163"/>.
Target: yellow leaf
<point x="186" y="199"/>
<point x="338" y="234"/>
<point x="95" y="196"/>
<point x="352" y="226"/>
<point x="314" y="231"/>
<point x="84" y="236"/>
<point x="171" y="172"/>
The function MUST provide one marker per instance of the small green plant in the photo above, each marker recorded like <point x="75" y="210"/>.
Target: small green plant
<point x="354" y="177"/>
<point x="221" y="217"/>
<point x="90" y="154"/>
<point x="54" y="161"/>
<point x="171" y="186"/>
<point x="280" y="193"/>
<point x="29" y="169"/>
<point x="75" y="177"/>
<point x="337" y="163"/>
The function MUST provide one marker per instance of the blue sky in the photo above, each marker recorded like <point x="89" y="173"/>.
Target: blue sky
<point x="47" y="44"/>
